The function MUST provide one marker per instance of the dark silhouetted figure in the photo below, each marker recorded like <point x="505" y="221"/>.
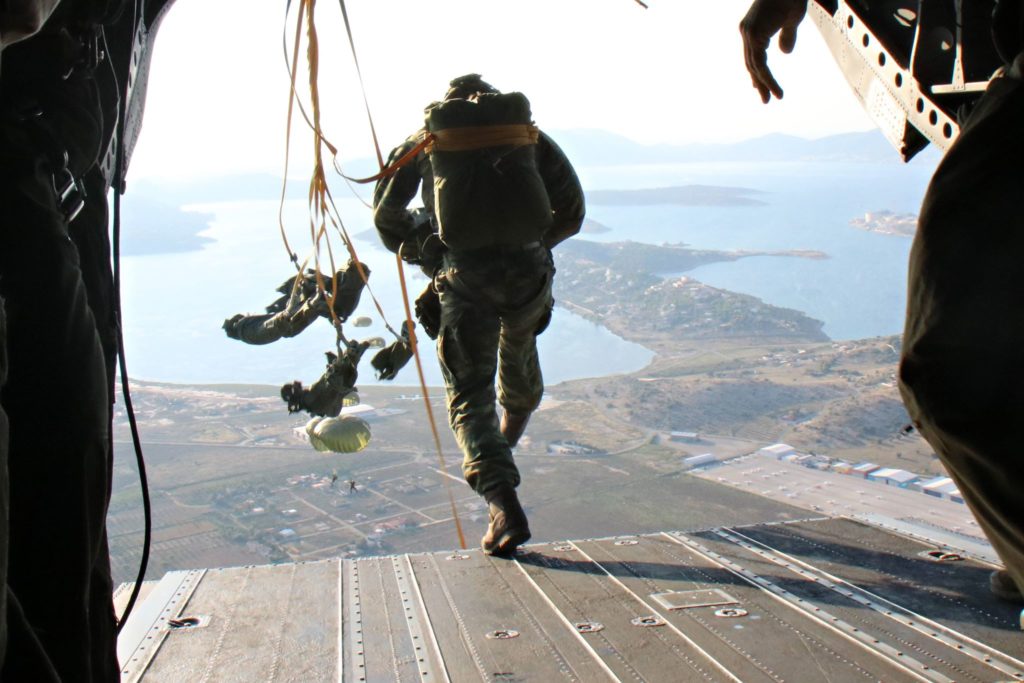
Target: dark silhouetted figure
<point x="962" y="369"/>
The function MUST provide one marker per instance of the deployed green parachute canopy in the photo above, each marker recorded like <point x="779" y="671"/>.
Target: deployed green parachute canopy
<point x="344" y="434"/>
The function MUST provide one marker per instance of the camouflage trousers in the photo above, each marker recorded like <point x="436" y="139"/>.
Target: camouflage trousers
<point x="494" y="303"/>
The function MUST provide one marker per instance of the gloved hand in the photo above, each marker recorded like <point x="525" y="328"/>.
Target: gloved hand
<point x="422" y="247"/>
<point x="428" y="310"/>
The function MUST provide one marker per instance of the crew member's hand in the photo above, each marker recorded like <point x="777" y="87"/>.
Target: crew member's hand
<point x="764" y="19"/>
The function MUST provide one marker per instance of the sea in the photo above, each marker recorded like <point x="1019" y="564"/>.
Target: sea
<point x="175" y="303"/>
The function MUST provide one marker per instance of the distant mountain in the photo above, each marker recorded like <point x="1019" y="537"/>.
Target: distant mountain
<point x="241" y="187"/>
<point x="583" y="147"/>
<point x="596" y="147"/>
<point x="154" y="205"/>
<point x="248" y="186"/>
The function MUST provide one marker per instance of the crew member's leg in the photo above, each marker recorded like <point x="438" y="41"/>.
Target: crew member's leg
<point x="962" y="370"/>
<point x="984" y="461"/>
<point x="58" y="406"/>
<point x="3" y="490"/>
<point x="89" y="232"/>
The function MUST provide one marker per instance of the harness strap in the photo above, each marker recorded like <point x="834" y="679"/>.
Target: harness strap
<point x="387" y="171"/>
<point x="468" y="138"/>
<point x="463" y="139"/>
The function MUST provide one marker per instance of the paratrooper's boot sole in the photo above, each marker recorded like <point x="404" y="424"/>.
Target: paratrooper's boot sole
<point x="507" y="543"/>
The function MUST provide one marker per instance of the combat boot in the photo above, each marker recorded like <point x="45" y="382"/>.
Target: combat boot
<point x="508" y="528"/>
<point x="513" y="426"/>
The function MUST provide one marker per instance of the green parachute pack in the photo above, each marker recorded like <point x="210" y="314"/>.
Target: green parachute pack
<point x="487" y="188"/>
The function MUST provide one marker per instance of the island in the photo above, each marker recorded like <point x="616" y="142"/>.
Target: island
<point x="619" y="286"/>
<point x="152" y="227"/>
<point x="592" y="227"/>
<point x="887" y="223"/>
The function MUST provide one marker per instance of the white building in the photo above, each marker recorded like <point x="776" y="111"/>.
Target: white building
<point x="864" y="469"/>
<point x="777" y="451"/>
<point x="942" y="487"/>
<point x="930" y="486"/>
<point x="891" y="476"/>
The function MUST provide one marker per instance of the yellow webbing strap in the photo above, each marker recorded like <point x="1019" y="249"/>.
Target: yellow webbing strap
<point x="426" y="401"/>
<point x="478" y="137"/>
<point x="320" y="194"/>
<point x="459" y="140"/>
<point x="405" y="301"/>
<point x="386" y="171"/>
<point x="292" y="71"/>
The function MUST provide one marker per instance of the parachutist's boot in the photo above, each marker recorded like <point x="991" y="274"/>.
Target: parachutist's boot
<point x="230" y="325"/>
<point x="513" y="426"/>
<point x="1004" y="587"/>
<point x="508" y="528"/>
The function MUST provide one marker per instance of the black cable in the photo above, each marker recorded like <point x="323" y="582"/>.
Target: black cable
<point x="118" y="186"/>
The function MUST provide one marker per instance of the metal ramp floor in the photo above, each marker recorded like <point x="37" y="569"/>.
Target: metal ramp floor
<point x="815" y="600"/>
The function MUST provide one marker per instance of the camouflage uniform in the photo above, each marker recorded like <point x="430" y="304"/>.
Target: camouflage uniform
<point x="300" y="306"/>
<point x="327" y="396"/>
<point x="494" y="302"/>
<point x="962" y="371"/>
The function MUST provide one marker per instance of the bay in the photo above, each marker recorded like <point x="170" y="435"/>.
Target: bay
<point x="858" y="291"/>
<point x="175" y="304"/>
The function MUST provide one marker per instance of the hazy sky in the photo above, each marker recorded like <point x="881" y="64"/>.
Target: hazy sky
<point x="671" y="73"/>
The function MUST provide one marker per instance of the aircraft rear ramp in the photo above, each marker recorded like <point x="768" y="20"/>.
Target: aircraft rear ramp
<point x="826" y="599"/>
